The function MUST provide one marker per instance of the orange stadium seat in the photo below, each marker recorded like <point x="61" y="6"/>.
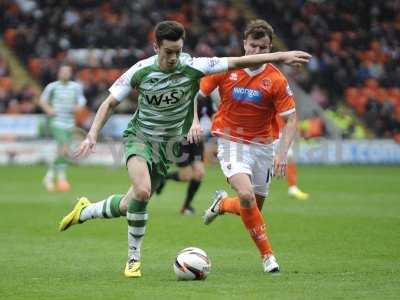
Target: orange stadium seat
<point x="99" y="74"/>
<point x="113" y="75"/>
<point x="382" y="94"/>
<point x="5" y="83"/>
<point x="84" y="74"/>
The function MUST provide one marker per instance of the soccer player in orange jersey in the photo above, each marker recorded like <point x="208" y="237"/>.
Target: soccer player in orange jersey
<point x="246" y="127"/>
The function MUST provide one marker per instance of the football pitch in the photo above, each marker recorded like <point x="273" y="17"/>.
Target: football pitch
<point x="344" y="243"/>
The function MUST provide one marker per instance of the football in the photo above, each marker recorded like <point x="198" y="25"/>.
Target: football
<point x="192" y="264"/>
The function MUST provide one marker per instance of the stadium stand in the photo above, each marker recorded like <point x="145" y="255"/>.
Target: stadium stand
<point x="358" y="62"/>
<point x="12" y="100"/>
<point x="356" y="66"/>
<point x="101" y="40"/>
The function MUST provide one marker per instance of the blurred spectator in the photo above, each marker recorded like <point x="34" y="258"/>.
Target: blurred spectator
<point x="361" y="38"/>
<point x="102" y="35"/>
<point x="352" y="42"/>
<point x="318" y="95"/>
<point x="312" y="127"/>
<point x="4" y="67"/>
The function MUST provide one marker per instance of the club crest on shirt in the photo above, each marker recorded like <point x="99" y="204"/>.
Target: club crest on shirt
<point x="266" y="84"/>
<point x="233" y="76"/>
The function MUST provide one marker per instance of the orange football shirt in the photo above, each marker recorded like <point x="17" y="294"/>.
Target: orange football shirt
<point x="250" y="103"/>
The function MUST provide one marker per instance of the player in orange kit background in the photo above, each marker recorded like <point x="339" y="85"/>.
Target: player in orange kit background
<point x="246" y="126"/>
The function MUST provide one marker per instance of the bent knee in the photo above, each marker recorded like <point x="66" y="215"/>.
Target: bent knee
<point x="246" y="197"/>
<point x="185" y="174"/>
<point x="142" y="193"/>
<point x="198" y="175"/>
<point x="246" y="194"/>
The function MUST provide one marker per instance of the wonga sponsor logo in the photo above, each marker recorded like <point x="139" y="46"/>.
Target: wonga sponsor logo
<point x="245" y="94"/>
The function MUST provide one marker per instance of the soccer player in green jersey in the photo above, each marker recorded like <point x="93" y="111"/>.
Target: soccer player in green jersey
<point x="59" y="100"/>
<point x="167" y="84"/>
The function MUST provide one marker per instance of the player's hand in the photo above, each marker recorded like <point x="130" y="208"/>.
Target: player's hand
<point x="279" y="167"/>
<point x="295" y="58"/>
<point x="85" y="148"/>
<point x="195" y="133"/>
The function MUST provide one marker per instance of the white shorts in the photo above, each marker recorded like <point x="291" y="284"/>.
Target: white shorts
<point x="253" y="159"/>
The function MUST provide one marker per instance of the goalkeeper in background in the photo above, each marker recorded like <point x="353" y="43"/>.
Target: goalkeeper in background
<point x="59" y="100"/>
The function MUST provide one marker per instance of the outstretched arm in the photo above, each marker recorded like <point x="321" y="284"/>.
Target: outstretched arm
<point x="292" y="58"/>
<point x="102" y="115"/>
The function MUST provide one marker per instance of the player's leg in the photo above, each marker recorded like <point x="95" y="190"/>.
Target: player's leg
<point x="113" y="206"/>
<point x="236" y="161"/>
<point x="137" y="199"/>
<point x="260" y="199"/>
<point x="291" y="175"/>
<point x="61" y="164"/>
<point x="197" y="167"/>
<point x="231" y="205"/>
<point x="253" y="220"/>
<point x="193" y="187"/>
<point x="251" y="215"/>
<point x="116" y="205"/>
<point x="184" y="174"/>
<point x="262" y="175"/>
<point x="58" y="167"/>
<point x="231" y="164"/>
<point x="48" y="180"/>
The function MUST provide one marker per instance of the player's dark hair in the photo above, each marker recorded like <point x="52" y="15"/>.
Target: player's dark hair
<point x="169" y="30"/>
<point x="258" y="29"/>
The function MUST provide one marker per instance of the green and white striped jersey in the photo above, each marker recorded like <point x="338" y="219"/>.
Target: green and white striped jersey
<point x="63" y="98"/>
<point x="165" y="102"/>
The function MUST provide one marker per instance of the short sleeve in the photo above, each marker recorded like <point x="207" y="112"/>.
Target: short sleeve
<point x="284" y="101"/>
<point x="209" y="83"/>
<point x="210" y="65"/>
<point x="122" y="86"/>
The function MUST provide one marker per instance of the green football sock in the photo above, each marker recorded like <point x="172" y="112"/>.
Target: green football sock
<point x="137" y="217"/>
<point x="108" y="208"/>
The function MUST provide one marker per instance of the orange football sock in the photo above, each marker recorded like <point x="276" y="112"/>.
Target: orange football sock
<point x="291" y="173"/>
<point x="230" y="205"/>
<point x="254" y="222"/>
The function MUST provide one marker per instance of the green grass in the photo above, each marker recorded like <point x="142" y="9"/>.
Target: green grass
<point x="342" y="244"/>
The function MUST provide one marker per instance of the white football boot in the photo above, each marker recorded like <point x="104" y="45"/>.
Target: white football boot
<point x="213" y="211"/>
<point x="270" y="264"/>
